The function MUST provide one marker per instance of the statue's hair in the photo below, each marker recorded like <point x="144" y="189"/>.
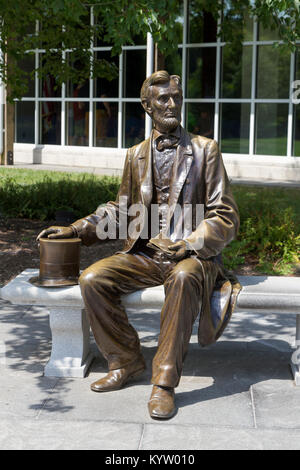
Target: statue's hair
<point x="162" y="76"/>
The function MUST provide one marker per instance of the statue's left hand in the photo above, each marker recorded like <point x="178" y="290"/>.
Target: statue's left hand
<point x="56" y="232"/>
<point x="180" y="250"/>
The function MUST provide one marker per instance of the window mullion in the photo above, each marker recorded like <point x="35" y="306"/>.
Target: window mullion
<point x="63" y="106"/>
<point x="218" y="82"/>
<point x="120" y="105"/>
<point x="36" y="94"/>
<point x="184" y="60"/>
<point x="91" y="107"/>
<point x="291" y="107"/>
<point x="253" y="89"/>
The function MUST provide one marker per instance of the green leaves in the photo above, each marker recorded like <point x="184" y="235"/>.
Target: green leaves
<point x="65" y="25"/>
<point x="269" y="232"/>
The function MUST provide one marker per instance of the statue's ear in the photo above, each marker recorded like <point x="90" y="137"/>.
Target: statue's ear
<point x="147" y="107"/>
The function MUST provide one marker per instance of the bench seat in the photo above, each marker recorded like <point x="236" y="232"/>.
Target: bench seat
<point x="71" y="356"/>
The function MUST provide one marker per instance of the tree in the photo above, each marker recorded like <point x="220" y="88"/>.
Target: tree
<point x="65" y="34"/>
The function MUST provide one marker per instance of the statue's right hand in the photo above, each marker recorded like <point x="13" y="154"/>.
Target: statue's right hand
<point x="56" y="232"/>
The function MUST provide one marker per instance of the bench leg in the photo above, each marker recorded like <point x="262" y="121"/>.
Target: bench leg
<point x="295" y="360"/>
<point x="70" y="355"/>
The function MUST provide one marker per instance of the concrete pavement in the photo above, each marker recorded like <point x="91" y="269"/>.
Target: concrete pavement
<point x="236" y="394"/>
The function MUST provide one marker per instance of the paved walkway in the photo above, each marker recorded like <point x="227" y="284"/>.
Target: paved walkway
<point x="236" y="394"/>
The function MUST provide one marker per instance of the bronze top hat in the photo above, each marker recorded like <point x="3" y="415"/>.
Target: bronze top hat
<point x="59" y="262"/>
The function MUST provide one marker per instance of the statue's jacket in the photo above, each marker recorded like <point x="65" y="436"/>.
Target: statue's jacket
<point x="199" y="178"/>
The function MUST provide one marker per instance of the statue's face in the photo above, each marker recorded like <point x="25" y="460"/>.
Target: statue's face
<point x="164" y="106"/>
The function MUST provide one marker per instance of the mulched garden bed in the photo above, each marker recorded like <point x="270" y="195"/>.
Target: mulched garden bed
<point x="19" y="249"/>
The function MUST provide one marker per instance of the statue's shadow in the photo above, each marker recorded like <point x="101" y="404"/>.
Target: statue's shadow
<point x="234" y="363"/>
<point x="228" y="368"/>
<point x="224" y="369"/>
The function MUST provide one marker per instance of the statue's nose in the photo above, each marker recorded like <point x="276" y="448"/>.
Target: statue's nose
<point x="171" y="103"/>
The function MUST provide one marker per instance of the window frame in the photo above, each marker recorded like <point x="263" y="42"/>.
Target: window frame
<point x="217" y="100"/>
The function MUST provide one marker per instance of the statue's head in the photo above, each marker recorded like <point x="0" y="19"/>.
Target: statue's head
<point x="161" y="97"/>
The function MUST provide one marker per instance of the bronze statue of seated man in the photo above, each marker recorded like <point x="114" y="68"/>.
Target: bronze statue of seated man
<point x="172" y="170"/>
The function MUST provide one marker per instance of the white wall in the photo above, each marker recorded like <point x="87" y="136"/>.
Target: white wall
<point x="111" y="160"/>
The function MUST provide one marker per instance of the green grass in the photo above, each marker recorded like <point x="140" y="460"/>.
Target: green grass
<point x="270" y="216"/>
<point x="39" y="194"/>
<point x="24" y="176"/>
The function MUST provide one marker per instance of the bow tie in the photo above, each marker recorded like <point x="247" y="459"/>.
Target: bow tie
<point x="165" y="141"/>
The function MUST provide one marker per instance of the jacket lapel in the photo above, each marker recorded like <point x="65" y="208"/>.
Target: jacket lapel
<point x="145" y="171"/>
<point x="181" y="169"/>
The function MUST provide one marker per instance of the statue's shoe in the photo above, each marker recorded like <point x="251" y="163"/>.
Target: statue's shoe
<point x="162" y="403"/>
<point x="117" y="378"/>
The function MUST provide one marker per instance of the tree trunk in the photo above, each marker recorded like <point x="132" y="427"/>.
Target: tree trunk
<point x="7" y="157"/>
<point x="159" y="60"/>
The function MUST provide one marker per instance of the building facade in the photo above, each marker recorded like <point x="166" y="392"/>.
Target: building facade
<point x="242" y="96"/>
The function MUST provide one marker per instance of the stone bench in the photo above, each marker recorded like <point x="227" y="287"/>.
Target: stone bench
<point x="71" y="355"/>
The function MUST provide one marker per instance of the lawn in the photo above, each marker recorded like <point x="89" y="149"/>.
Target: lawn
<point x="269" y="236"/>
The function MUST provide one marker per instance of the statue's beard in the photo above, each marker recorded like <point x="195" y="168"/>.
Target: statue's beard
<point x="166" y="124"/>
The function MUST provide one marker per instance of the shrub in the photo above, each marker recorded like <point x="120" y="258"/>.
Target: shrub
<point x="269" y="231"/>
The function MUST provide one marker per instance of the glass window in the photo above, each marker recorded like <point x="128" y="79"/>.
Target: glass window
<point x="102" y="86"/>
<point x="236" y="71"/>
<point x="200" y="119"/>
<point x="77" y="116"/>
<point x="179" y="22"/>
<point x="237" y="23"/>
<point x="271" y="129"/>
<point x="77" y="89"/>
<point x="173" y="63"/>
<point x="202" y="27"/>
<point x="50" y="123"/>
<point x="28" y="66"/>
<point x="267" y="34"/>
<point x="134" y="72"/>
<point x="298" y="64"/>
<point x="273" y="76"/>
<point x="138" y="40"/>
<point x="25" y="122"/>
<point x="297" y="110"/>
<point x="201" y="72"/>
<point x="133" y="124"/>
<point x="48" y="87"/>
<point x="106" y="124"/>
<point x="297" y="131"/>
<point x="235" y="127"/>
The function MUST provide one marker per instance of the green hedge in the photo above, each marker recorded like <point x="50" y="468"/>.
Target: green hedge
<point x="270" y="217"/>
